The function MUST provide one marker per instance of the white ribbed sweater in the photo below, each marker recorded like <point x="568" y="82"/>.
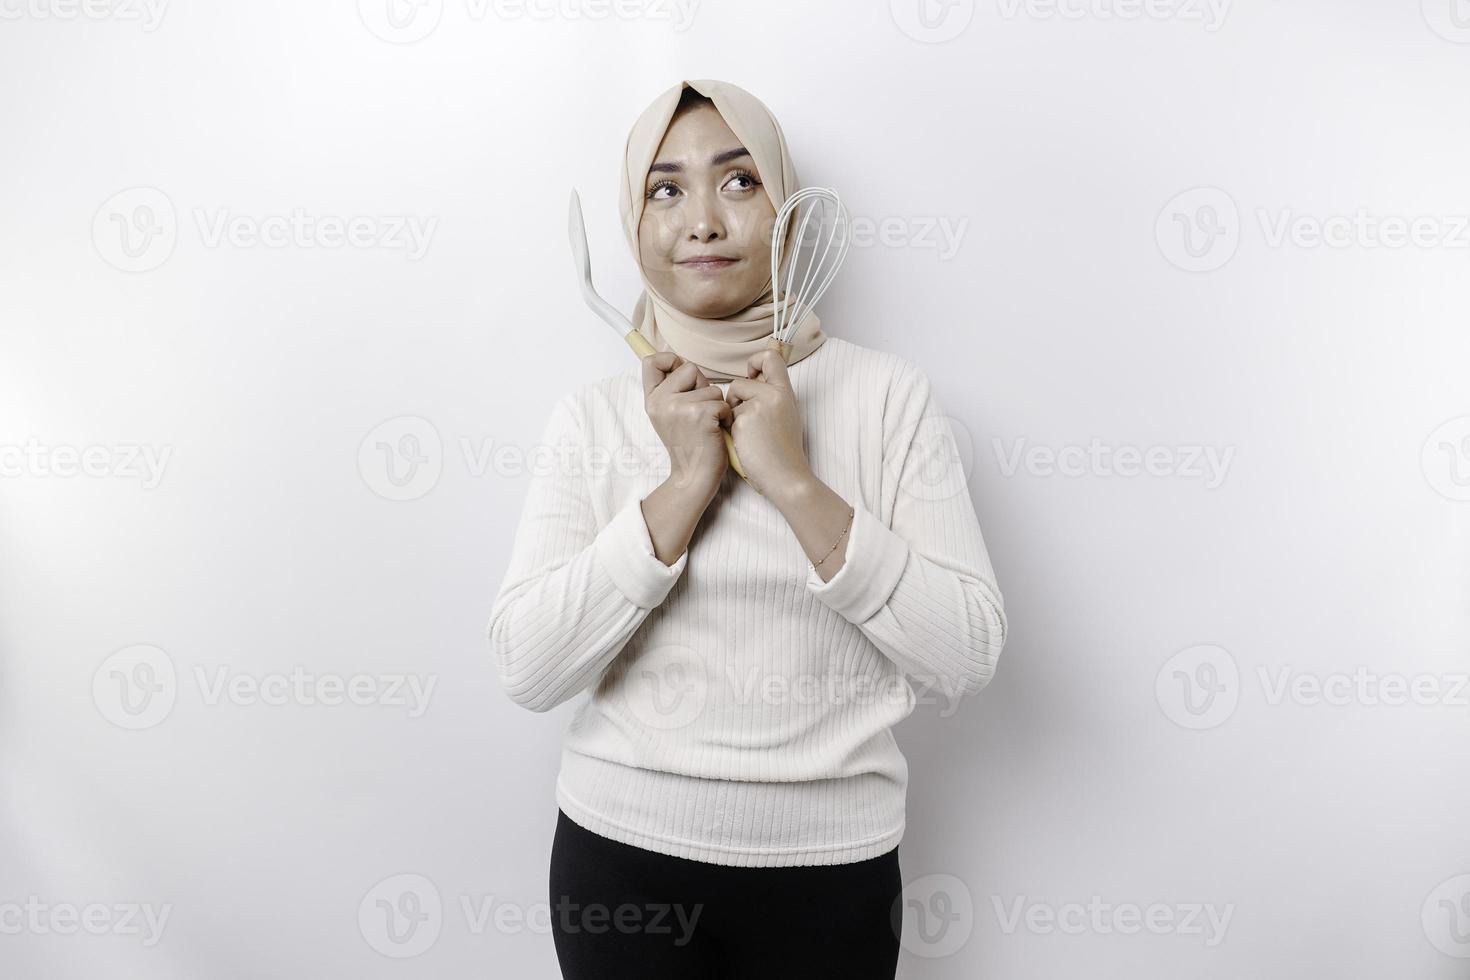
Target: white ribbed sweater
<point x="739" y="708"/>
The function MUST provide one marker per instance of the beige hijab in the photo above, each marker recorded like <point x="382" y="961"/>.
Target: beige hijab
<point x="719" y="347"/>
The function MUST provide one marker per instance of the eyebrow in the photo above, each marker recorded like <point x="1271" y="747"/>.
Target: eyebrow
<point x="714" y="161"/>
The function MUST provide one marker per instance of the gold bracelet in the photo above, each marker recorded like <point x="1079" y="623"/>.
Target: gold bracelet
<point x="850" y="514"/>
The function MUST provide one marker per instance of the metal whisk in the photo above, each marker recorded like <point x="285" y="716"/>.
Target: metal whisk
<point x="814" y="264"/>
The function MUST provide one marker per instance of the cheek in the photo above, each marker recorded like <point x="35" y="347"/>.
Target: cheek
<point x="656" y="239"/>
<point x="750" y="229"/>
<point x="756" y="278"/>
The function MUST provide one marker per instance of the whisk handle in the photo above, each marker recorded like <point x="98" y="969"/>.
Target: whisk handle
<point x="643" y="348"/>
<point x="735" y="460"/>
<point x="639" y="343"/>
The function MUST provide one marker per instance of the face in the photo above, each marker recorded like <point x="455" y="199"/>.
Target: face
<point x="705" y="236"/>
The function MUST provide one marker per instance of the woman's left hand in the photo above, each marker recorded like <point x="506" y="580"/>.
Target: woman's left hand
<point x="767" y="426"/>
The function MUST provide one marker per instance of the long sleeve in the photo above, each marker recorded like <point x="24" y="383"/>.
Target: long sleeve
<point x="922" y="588"/>
<point x="573" y="594"/>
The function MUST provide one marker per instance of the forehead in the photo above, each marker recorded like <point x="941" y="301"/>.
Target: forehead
<point x="694" y="136"/>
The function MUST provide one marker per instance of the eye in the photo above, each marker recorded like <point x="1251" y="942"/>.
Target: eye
<point x="653" y="191"/>
<point x="749" y="178"/>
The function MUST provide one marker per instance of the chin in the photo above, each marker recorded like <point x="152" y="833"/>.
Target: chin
<point x="709" y="307"/>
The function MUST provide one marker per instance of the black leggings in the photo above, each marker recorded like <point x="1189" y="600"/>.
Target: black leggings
<point x="623" y="911"/>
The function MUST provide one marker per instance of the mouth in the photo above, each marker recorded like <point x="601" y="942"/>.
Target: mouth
<point x="707" y="263"/>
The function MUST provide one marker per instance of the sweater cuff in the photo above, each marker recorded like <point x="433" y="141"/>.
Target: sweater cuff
<point x="625" y="550"/>
<point x="876" y="557"/>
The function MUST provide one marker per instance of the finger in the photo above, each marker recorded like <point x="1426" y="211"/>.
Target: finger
<point x="682" y="378"/>
<point x="707" y="393"/>
<point x="768" y="367"/>
<point x="656" y="366"/>
<point x="700" y="378"/>
<point x="708" y="412"/>
<point x="746" y="388"/>
<point x="724" y="414"/>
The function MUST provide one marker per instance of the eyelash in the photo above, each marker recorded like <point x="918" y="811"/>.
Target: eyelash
<point x="739" y="173"/>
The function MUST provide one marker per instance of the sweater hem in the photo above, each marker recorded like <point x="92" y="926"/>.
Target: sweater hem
<point x="841" y="853"/>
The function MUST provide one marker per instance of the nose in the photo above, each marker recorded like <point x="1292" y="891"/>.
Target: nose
<point x="703" y="221"/>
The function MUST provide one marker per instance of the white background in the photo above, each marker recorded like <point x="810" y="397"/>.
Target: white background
<point x="1057" y="142"/>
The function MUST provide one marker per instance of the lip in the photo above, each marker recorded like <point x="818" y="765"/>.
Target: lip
<point x="708" y="263"/>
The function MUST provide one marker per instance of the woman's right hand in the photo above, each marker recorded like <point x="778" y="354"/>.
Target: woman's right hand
<point x="686" y="411"/>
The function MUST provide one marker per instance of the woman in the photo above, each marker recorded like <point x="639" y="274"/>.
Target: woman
<point x="731" y="795"/>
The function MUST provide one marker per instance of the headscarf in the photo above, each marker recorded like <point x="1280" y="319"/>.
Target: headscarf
<point x="720" y="347"/>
